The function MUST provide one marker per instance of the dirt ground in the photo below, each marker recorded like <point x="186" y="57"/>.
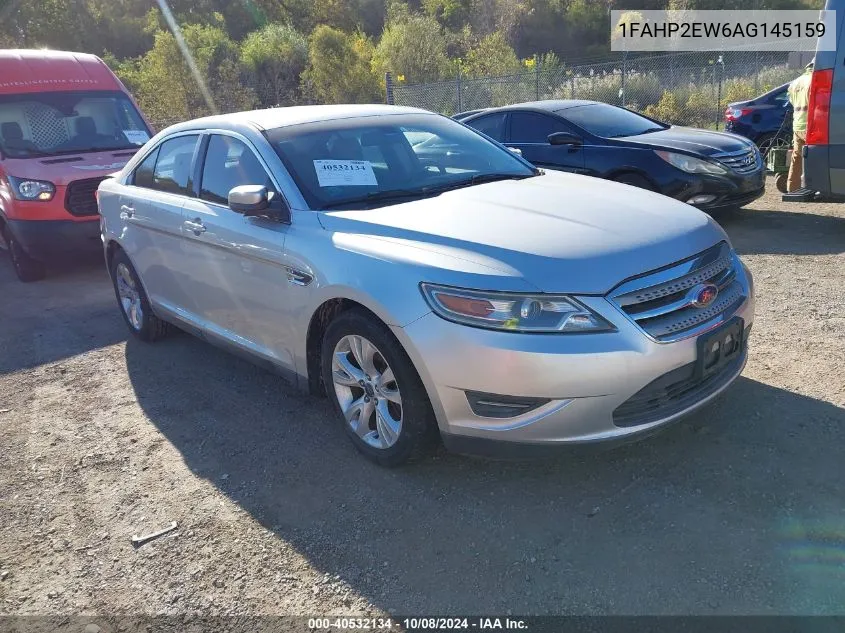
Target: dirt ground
<point x="737" y="510"/>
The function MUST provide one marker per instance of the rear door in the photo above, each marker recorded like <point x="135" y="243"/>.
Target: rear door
<point x="529" y="133"/>
<point x="237" y="264"/>
<point x="151" y="212"/>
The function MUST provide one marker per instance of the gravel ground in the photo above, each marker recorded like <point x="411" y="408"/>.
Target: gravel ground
<point x="736" y="510"/>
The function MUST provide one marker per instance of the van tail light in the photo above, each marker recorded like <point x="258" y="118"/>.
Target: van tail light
<point x="818" y="110"/>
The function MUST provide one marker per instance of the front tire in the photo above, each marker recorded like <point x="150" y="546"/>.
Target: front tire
<point x="376" y="391"/>
<point x="27" y="268"/>
<point x="133" y="301"/>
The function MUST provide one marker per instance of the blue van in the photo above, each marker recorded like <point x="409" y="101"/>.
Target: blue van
<point x="824" y="153"/>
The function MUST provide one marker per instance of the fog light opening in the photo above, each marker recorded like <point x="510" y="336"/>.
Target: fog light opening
<point x="703" y="199"/>
<point x="489" y="405"/>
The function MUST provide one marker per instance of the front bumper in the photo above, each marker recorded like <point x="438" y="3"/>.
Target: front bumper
<point x="730" y="190"/>
<point x="585" y="377"/>
<point x="43" y="239"/>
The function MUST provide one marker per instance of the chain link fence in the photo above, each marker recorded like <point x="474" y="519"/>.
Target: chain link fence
<point x="679" y="88"/>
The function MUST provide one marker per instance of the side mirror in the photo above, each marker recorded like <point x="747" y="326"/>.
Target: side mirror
<point x="564" y="138"/>
<point x="257" y="201"/>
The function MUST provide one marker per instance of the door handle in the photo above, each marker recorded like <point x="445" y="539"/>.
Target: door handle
<point x="126" y="211"/>
<point x="195" y="225"/>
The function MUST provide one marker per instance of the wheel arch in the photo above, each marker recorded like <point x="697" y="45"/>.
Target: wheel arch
<point x="621" y="171"/>
<point x="320" y="319"/>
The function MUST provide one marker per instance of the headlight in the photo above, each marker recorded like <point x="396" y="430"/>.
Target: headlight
<point x="25" y="189"/>
<point x="692" y="165"/>
<point x="515" y="312"/>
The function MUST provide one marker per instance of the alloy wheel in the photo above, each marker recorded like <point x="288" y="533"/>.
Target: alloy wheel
<point x="130" y="297"/>
<point x="367" y="391"/>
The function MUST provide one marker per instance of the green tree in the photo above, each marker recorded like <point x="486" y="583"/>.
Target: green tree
<point x="276" y="57"/>
<point x="587" y="26"/>
<point x="414" y="47"/>
<point x="168" y="90"/>
<point x="340" y="68"/>
<point x="492" y="56"/>
<point x="450" y="13"/>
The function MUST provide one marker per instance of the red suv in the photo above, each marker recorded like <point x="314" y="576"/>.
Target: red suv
<point x="66" y="122"/>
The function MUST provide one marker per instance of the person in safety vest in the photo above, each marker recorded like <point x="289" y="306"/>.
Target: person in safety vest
<point x="799" y="96"/>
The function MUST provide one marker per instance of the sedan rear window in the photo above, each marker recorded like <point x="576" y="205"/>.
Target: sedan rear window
<point x="398" y="156"/>
<point x="607" y="121"/>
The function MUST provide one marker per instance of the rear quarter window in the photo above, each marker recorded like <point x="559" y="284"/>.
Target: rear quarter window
<point x="143" y="175"/>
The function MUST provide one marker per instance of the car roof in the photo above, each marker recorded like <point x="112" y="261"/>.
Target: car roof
<point x="37" y="70"/>
<point x="549" y="105"/>
<point x="294" y="115"/>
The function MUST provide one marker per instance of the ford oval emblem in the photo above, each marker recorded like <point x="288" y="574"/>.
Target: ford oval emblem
<point x="703" y="295"/>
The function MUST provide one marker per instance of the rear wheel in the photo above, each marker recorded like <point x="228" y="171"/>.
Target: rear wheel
<point x="134" y="305"/>
<point x="635" y="180"/>
<point x="376" y="391"/>
<point x="26" y="268"/>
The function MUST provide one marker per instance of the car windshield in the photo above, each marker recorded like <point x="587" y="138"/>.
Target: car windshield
<point x="371" y="161"/>
<point x="608" y="121"/>
<point x="52" y="123"/>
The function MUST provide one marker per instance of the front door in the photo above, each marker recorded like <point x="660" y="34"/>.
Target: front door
<point x="529" y="133"/>
<point x="237" y="263"/>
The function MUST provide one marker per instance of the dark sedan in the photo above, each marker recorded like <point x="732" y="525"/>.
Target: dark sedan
<point x="710" y="170"/>
<point x="766" y="120"/>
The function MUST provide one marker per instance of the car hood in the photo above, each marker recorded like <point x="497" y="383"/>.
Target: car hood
<point x="691" y="140"/>
<point x="65" y="168"/>
<point x="560" y="232"/>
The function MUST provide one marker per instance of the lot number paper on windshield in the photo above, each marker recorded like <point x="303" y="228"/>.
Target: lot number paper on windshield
<point x="138" y="137"/>
<point x="345" y="173"/>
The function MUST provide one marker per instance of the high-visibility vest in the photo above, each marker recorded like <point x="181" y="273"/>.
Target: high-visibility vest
<point x="799" y="97"/>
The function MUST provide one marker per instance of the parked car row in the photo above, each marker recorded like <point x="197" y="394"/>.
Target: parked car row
<point x="434" y="278"/>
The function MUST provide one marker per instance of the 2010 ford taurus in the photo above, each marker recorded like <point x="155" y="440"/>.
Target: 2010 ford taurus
<point x="461" y="294"/>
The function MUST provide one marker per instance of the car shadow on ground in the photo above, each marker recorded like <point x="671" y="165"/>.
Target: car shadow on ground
<point x="775" y="232"/>
<point x="72" y="311"/>
<point x="738" y="509"/>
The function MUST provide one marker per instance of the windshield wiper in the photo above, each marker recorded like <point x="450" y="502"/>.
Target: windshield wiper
<point x="82" y="150"/>
<point x="479" y="179"/>
<point x="24" y="153"/>
<point x="646" y="131"/>
<point x="429" y="190"/>
<point x="380" y="196"/>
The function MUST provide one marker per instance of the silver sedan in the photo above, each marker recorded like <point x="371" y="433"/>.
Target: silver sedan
<point x="433" y="284"/>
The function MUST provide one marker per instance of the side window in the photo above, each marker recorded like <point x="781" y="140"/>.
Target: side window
<point x="532" y="127"/>
<point x="229" y="163"/>
<point x="173" y="168"/>
<point x="143" y="176"/>
<point x="493" y="125"/>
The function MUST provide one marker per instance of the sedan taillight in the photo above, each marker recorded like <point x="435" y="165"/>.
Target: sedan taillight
<point x="732" y="114"/>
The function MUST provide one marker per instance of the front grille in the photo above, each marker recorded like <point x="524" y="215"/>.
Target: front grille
<point x="673" y="393"/>
<point x="744" y="161"/>
<point x="80" y="199"/>
<point x="661" y="303"/>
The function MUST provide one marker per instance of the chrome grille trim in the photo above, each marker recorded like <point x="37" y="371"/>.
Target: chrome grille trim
<point x="659" y="304"/>
<point x="737" y="160"/>
<point x="674" y="286"/>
